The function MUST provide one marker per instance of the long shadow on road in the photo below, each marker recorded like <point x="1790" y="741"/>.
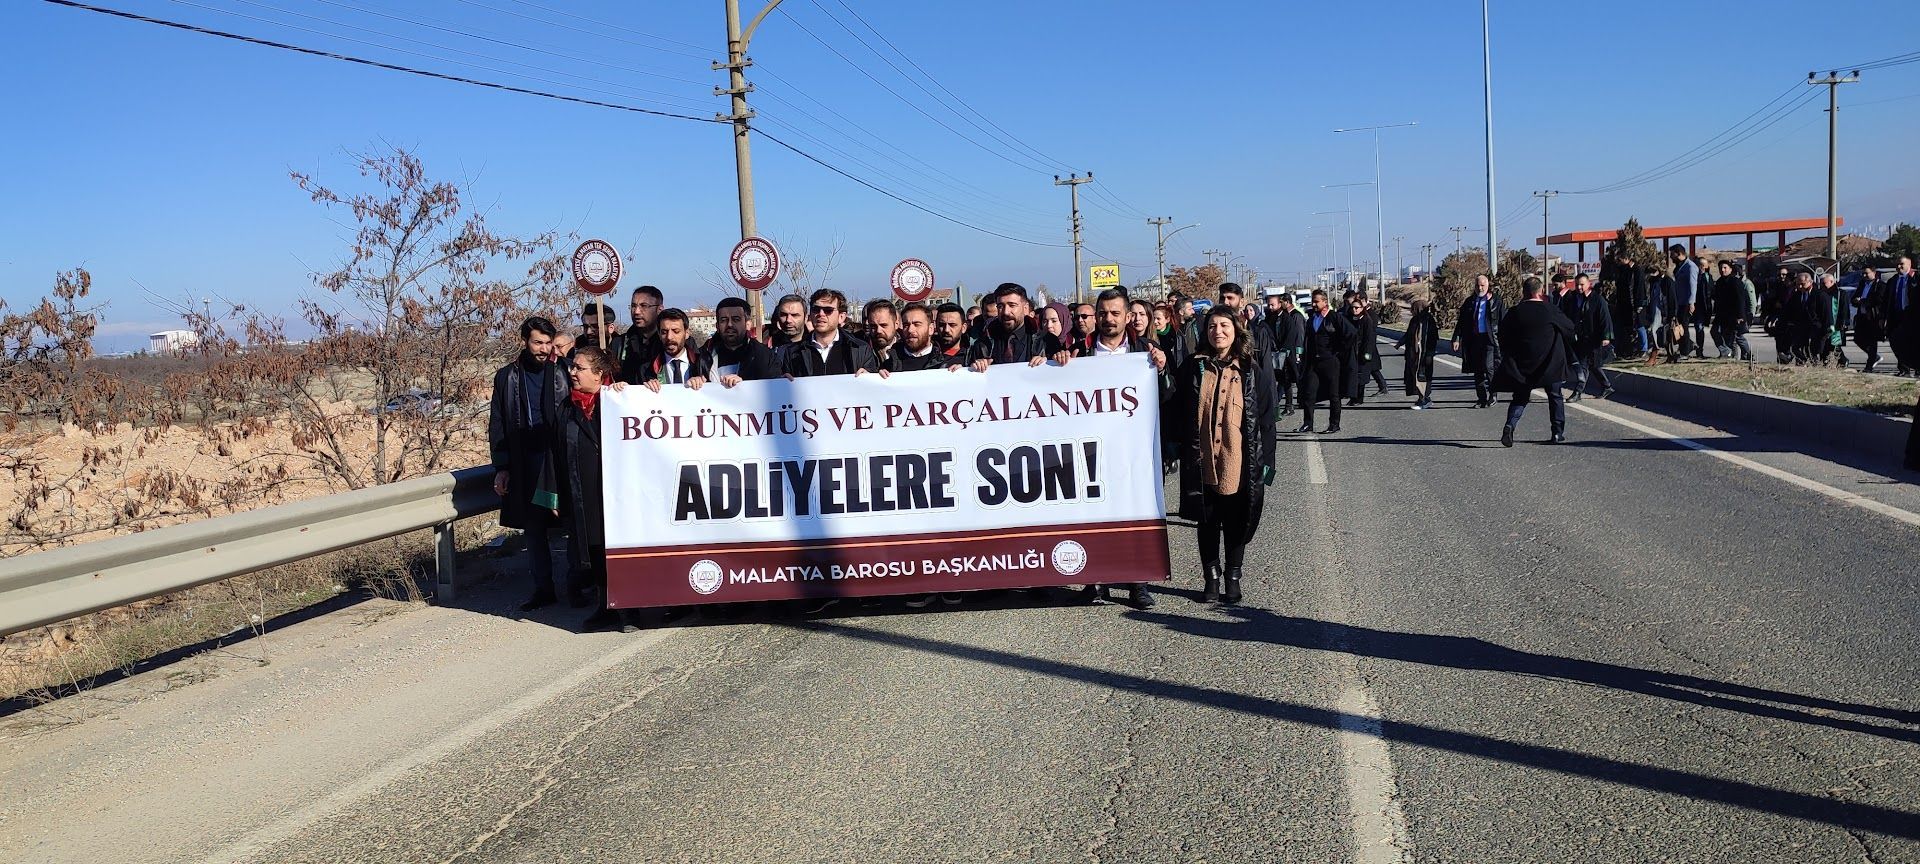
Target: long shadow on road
<point x="1815" y="808"/>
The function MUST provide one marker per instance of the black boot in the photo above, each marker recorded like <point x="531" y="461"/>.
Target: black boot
<point x="542" y="597"/>
<point x="1142" y="599"/>
<point x="1210" y="593"/>
<point x="1232" y="595"/>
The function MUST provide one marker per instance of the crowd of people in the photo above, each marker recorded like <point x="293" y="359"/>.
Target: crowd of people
<point x="1228" y="372"/>
<point x="1673" y="312"/>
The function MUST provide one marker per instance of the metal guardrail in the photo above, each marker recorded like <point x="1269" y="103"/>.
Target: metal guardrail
<point x="44" y="587"/>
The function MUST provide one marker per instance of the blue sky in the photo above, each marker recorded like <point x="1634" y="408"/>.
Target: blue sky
<point x="159" y="159"/>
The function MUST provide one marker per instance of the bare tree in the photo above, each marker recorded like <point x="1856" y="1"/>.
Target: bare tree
<point x="412" y="314"/>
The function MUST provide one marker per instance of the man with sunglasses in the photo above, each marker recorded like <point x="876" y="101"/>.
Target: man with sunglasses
<point x="828" y="350"/>
<point x="1083" y="324"/>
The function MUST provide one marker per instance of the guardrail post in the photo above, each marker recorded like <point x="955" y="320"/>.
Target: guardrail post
<point x="443" y="551"/>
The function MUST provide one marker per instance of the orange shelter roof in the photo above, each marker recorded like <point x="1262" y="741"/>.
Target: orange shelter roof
<point x="1708" y="230"/>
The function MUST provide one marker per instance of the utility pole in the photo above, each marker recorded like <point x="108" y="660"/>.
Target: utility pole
<point x="1399" y="260"/>
<point x="1216" y="253"/>
<point x="1486" y="71"/>
<point x="1832" y="83"/>
<point x="1072" y="183"/>
<point x="1428" y="248"/>
<point x="738" y="88"/>
<point x="1546" y="198"/>
<point x="1457" y="231"/>
<point x="1160" y="245"/>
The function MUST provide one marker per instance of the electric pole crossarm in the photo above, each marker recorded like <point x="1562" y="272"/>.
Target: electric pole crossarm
<point x="1832" y="82"/>
<point x="1072" y="183"/>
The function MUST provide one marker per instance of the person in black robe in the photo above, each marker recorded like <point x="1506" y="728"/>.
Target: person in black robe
<point x="1421" y="340"/>
<point x="1476" y="337"/>
<point x="527" y="396"/>
<point x="1536" y="347"/>
<point x="571" y="487"/>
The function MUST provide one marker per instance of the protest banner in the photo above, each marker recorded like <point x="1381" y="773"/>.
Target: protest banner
<point x="854" y="487"/>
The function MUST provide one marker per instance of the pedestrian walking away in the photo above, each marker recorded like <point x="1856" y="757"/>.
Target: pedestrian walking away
<point x="1224" y="398"/>
<point x="1536" y="342"/>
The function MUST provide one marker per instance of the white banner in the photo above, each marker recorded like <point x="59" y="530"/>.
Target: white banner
<point x="729" y="494"/>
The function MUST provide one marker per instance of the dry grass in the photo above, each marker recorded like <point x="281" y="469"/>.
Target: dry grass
<point x="47" y="663"/>
<point x="1880" y="394"/>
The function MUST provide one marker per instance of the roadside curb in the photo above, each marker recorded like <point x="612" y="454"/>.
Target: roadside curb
<point x="1863" y="433"/>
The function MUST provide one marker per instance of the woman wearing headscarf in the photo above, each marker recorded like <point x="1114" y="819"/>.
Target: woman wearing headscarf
<point x="1420" y="341"/>
<point x="1053" y="320"/>
<point x="1224" y="401"/>
<point x="571" y="485"/>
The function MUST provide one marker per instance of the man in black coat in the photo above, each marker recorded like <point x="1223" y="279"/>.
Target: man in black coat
<point x="636" y="349"/>
<point x="828" y="348"/>
<point x="1900" y="307"/>
<point x="1327" y="338"/>
<point x="1288" y="332"/>
<point x="527" y="397"/>
<point x="1536" y="343"/>
<point x="1593" y="335"/>
<point x="1477" y="329"/>
<point x="916" y="351"/>
<point x="1010" y="336"/>
<point x="732" y="355"/>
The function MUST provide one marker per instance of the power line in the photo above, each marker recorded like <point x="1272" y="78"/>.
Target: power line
<point x="703" y="54"/>
<point x="377" y="64"/>
<point x="445" y="26"/>
<point x="817" y="161"/>
<point x="331" y="55"/>
<point x="668" y="98"/>
<point x="1003" y="135"/>
<point x="908" y="102"/>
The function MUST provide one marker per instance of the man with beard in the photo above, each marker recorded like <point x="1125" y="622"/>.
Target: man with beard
<point x="730" y="355"/>
<point x="789" y="325"/>
<point x="677" y="362"/>
<point x="527" y="396"/>
<point x="1900" y="309"/>
<point x="593" y="316"/>
<point x="1010" y="336"/>
<point x="828" y="348"/>
<point x="950" y="333"/>
<point x="637" y="348"/>
<point x="1110" y="337"/>
<point x="916" y="350"/>
<point x="1326" y="338"/>
<point x="1287" y="329"/>
<point x="1478" y="328"/>
<point x="882" y="328"/>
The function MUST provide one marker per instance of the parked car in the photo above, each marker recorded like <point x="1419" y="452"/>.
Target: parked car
<point x="424" y="403"/>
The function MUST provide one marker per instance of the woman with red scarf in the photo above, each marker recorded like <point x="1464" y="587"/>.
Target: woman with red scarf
<point x="571" y="487"/>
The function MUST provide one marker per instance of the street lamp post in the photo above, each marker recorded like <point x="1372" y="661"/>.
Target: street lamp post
<point x="1379" y="208"/>
<point x="1160" y="244"/>
<point x="1349" y="213"/>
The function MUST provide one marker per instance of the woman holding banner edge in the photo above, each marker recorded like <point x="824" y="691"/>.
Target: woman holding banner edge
<point x="1225" y="412"/>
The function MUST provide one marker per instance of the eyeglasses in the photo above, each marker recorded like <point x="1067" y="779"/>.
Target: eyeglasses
<point x="646" y="305"/>
<point x="1083" y="315"/>
<point x="826" y="310"/>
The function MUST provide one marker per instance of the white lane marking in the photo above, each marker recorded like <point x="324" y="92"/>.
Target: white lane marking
<point x="1815" y="486"/>
<point x="1316" y="463"/>
<point x="1379" y="826"/>
<point x="260" y="840"/>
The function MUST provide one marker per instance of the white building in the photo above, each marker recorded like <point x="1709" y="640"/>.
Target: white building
<point x="171" y="341"/>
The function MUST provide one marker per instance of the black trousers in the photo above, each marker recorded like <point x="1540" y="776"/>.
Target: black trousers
<point x="1320" y="380"/>
<point x="1556" y="407"/>
<point x="1225" y="519"/>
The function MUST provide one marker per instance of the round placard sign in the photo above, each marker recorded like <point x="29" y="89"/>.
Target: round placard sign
<point x="754" y="264"/>
<point x="596" y="267"/>
<point x="912" y="280"/>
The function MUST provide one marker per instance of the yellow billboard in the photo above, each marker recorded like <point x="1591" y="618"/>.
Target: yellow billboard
<point x="1105" y="275"/>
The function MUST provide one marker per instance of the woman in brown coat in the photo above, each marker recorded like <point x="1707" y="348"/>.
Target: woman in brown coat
<point x="1225" y="403"/>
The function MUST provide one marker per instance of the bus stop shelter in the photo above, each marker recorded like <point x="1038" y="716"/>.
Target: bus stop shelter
<point x="1777" y="227"/>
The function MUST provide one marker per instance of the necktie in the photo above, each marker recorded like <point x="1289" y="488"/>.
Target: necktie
<point x="677" y="374"/>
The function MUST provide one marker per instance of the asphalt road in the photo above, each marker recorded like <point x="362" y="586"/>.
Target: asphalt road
<point x="1617" y="649"/>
